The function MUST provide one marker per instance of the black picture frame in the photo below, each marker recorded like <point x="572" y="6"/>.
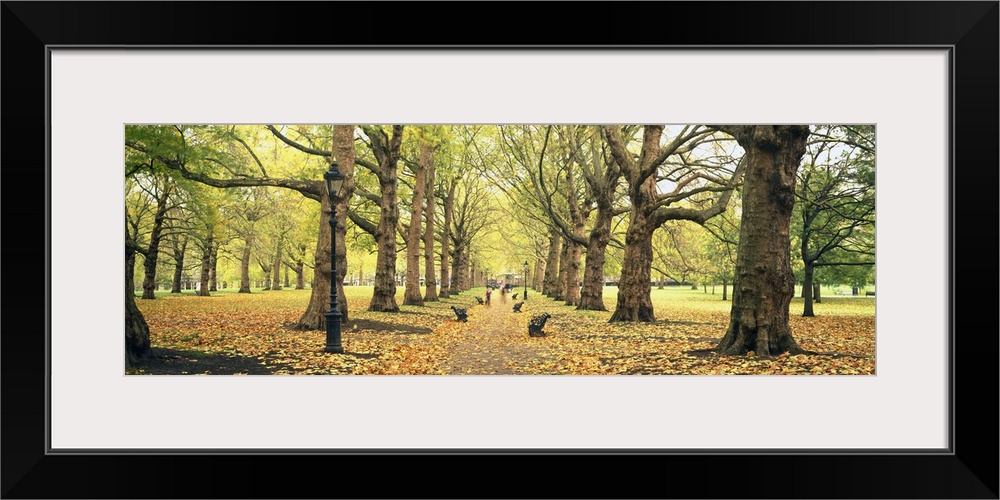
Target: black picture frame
<point x="969" y="471"/>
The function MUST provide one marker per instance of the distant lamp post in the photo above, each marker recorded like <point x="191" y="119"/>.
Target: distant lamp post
<point x="524" y="277"/>
<point x="334" y="182"/>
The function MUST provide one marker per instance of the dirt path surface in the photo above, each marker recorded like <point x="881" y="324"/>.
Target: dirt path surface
<point x="494" y="341"/>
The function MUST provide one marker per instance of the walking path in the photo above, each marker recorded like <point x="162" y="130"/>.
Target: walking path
<point x="494" y="341"/>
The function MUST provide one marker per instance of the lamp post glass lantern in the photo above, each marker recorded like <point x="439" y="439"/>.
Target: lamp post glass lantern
<point x="334" y="182"/>
<point x="525" y="279"/>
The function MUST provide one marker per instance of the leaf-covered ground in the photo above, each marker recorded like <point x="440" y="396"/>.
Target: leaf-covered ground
<point x="232" y="333"/>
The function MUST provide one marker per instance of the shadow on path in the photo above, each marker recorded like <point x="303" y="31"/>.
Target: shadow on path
<point x="163" y="361"/>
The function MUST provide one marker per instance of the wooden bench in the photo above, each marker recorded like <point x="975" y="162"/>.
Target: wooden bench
<point x="869" y="294"/>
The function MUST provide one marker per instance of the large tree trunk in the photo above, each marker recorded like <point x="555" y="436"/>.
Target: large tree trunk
<point x="411" y="293"/>
<point x="136" y="329"/>
<point x="179" y="248"/>
<point x="386" y="150"/>
<point x="572" y="290"/>
<point x="449" y="208"/>
<point x="549" y="286"/>
<point x="430" y="287"/>
<point x="574" y="251"/>
<point x="206" y="265"/>
<point x="725" y="287"/>
<point x="634" y="303"/>
<point x="286" y="277"/>
<point x="559" y="289"/>
<point x="764" y="282"/>
<point x="538" y="275"/>
<point x="152" y="254"/>
<point x="319" y="299"/>
<point x="816" y="296"/>
<point x="245" y="267"/>
<point x="807" y="291"/>
<point x="464" y="261"/>
<point x="592" y="293"/>
<point x="213" y="267"/>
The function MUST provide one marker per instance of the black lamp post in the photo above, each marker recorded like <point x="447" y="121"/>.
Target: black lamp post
<point x="525" y="278"/>
<point x="334" y="181"/>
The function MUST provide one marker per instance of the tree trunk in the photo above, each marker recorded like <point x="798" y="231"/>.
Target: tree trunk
<point x="286" y="277"/>
<point x="179" y="248"/>
<point x="559" y="289"/>
<point x="387" y="152"/>
<point x="764" y="282"/>
<point x="571" y="290"/>
<point x="816" y="298"/>
<point x="807" y="291"/>
<point x="152" y="254"/>
<point x="276" y="279"/>
<point x="206" y="265"/>
<point x="212" y="286"/>
<point x="136" y="329"/>
<point x="300" y="279"/>
<point x="538" y="275"/>
<point x="411" y="293"/>
<point x="552" y="264"/>
<point x="634" y="303"/>
<point x="319" y="299"/>
<point x="267" y="275"/>
<point x="463" y="269"/>
<point x="245" y="267"/>
<point x="449" y="210"/>
<point x="457" y="285"/>
<point x="430" y="287"/>
<point x="725" y="287"/>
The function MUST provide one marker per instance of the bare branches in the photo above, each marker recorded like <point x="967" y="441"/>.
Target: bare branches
<point x="300" y="147"/>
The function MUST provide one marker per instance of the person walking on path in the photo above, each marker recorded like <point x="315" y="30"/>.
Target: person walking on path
<point x="488" y="293"/>
<point x="503" y="295"/>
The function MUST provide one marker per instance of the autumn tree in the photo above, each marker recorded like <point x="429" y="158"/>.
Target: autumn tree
<point x="224" y="157"/>
<point x="137" y="343"/>
<point x="447" y="250"/>
<point x="385" y="148"/>
<point x="764" y="283"/>
<point x="414" y="232"/>
<point x="695" y="187"/>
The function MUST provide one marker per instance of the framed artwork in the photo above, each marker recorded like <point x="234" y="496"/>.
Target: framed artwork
<point x="924" y="74"/>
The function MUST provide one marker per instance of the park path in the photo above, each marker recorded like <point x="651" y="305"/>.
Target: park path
<point x="494" y="341"/>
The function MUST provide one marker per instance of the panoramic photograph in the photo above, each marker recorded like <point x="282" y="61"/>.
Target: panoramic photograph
<point x="499" y="249"/>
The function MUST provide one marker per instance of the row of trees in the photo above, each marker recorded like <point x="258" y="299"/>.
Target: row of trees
<point x="673" y="199"/>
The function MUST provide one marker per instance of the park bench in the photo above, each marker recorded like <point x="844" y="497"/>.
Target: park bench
<point x="460" y="313"/>
<point x="869" y="294"/>
<point x="517" y="307"/>
<point x="480" y="300"/>
<point x="537" y="323"/>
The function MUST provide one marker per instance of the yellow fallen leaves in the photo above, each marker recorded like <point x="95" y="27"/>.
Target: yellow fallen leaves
<point x="246" y="334"/>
